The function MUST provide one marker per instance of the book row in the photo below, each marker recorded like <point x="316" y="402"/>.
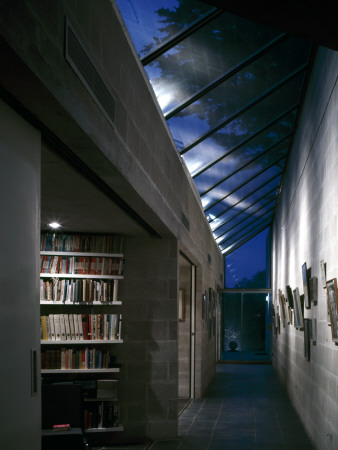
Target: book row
<point x="81" y="265"/>
<point x="78" y="290"/>
<point x="101" y="415"/>
<point x="78" y="327"/>
<point x="90" y="243"/>
<point x="84" y="358"/>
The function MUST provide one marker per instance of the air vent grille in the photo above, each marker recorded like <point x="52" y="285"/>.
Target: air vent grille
<point x="185" y="221"/>
<point x="82" y="65"/>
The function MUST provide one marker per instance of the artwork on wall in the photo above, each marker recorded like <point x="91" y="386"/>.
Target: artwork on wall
<point x="313" y="330"/>
<point x="331" y="290"/>
<point x="204" y="306"/>
<point x="289" y="296"/>
<point x="181" y="305"/>
<point x="313" y="290"/>
<point x="299" y="322"/>
<point x="307" y="339"/>
<point x="282" y="307"/>
<point x="323" y="273"/>
<point x="307" y="303"/>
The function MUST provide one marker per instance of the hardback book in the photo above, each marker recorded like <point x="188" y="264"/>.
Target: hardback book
<point x="52" y="327"/>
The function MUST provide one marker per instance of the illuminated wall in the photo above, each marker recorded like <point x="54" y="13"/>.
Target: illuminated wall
<point x="306" y="231"/>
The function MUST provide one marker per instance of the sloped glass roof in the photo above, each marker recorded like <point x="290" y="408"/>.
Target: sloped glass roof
<point x="230" y="90"/>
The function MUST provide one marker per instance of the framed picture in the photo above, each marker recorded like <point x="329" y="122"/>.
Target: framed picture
<point x="331" y="290"/>
<point x="313" y="290"/>
<point x="307" y="339"/>
<point x="313" y="330"/>
<point x="282" y="307"/>
<point x="204" y="306"/>
<point x="299" y="322"/>
<point x="323" y="273"/>
<point x="307" y="303"/>
<point x="289" y="296"/>
<point x="181" y="308"/>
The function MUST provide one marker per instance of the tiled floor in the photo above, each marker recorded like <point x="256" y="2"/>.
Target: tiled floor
<point x="244" y="408"/>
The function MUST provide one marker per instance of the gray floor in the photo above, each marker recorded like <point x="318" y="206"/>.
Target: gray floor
<point x="245" y="407"/>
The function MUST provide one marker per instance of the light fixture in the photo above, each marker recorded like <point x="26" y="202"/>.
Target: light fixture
<point x="54" y="225"/>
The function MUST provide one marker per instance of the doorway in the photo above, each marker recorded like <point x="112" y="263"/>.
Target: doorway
<point x="245" y="326"/>
<point x="186" y="332"/>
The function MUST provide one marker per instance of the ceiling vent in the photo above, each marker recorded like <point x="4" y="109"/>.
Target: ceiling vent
<point x="81" y="63"/>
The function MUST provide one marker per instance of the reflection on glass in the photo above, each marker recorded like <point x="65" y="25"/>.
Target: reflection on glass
<point x="249" y="265"/>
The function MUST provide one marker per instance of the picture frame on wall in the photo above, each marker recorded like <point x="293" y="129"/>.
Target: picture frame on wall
<point x="306" y="289"/>
<point x="282" y="307"/>
<point x="307" y="339"/>
<point x="313" y="290"/>
<point x="323" y="273"/>
<point x="299" y="321"/>
<point x="181" y="309"/>
<point x="204" y="306"/>
<point x="332" y="296"/>
<point x="289" y="296"/>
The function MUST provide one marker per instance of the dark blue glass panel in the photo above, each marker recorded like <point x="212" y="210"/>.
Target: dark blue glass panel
<point x="152" y="23"/>
<point x="203" y="57"/>
<point x="249" y="265"/>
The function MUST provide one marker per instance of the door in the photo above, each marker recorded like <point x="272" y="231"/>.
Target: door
<point x="245" y="318"/>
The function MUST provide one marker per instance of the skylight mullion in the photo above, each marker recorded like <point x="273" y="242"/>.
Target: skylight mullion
<point x="239" y="231"/>
<point x="246" y="164"/>
<point x="247" y="61"/>
<point x="245" y="209"/>
<point x="261" y="130"/>
<point x="246" y="108"/>
<point x="245" y="197"/>
<point x="247" y="182"/>
<point x="179" y="37"/>
<point x="242" y="240"/>
<point x="255" y="218"/>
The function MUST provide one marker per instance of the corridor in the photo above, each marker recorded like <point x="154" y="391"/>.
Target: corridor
<point x="244" y="408"/>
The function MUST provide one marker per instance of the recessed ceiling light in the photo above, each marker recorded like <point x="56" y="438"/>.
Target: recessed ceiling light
<point x="54" y="225"/>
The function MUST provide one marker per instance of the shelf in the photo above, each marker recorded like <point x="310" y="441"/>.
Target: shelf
<point x="104" y="430"/>
<point x="109" y="370"/>
<point x="59" y="303"/>
<point x="77" y="275"/>
<point x="82" y="342"/>
<point x="95" y="255"/>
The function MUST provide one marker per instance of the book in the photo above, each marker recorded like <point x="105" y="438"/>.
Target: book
<point x="61" y="427"/>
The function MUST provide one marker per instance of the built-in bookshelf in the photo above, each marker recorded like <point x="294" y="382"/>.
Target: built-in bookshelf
<point x="80" y="317"/>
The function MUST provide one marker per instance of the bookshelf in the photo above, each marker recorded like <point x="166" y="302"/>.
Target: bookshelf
<point x="80" y="318"/>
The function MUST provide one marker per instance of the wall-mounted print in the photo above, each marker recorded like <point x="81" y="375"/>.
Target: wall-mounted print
<point x="289" y="296"/>
<point x="299" y="321"/>
<point x="287" y="309"/>
<point x="307" y="339"/>
<point x="323" y="273"/>
<point x="282" y="307"/>
<point x="332" y="295"/>
<point x="313" y="330"/>
<point x="181" y="308"/>
<point x="305" y="277"/>
<point x="314" y="290"/>
<point x="204" y="306"/>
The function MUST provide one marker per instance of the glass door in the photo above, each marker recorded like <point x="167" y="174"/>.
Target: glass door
<point x="245" y="326"/>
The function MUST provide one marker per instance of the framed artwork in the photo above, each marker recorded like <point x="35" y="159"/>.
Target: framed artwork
<point x="313" y="290"/>
<point x="181" y="308"/>
<point x="331" y="290"/>
<point x="307" y="339"/>
<point x="289" y="296"/>
<point x="287" y="309"/>
<point x="282" y="307"/>
<point x="313" y="330"/>
<point x="299" y="321"/>
<point x="323" y="273"/>
<point x="307" y="303"/>
<point x="204" y="306"/>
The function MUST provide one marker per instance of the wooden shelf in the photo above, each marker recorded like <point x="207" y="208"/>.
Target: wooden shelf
<point x="94" y="255"/>
<point x="84" y="371"/>
<point x="82" y="342"/>
<point x="60" y="303"/>
<point x="80" y="276"/>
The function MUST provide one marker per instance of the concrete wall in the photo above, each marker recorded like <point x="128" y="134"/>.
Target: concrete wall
<point x="306" y="230"/>
<point x="137" y="159"/>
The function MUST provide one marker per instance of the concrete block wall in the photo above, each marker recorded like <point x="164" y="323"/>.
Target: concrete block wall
<point x="306" y="230"/>
<point x="149" y="355"/>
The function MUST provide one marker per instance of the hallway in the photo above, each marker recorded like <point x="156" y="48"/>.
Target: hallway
<point x="244" y="408"/>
